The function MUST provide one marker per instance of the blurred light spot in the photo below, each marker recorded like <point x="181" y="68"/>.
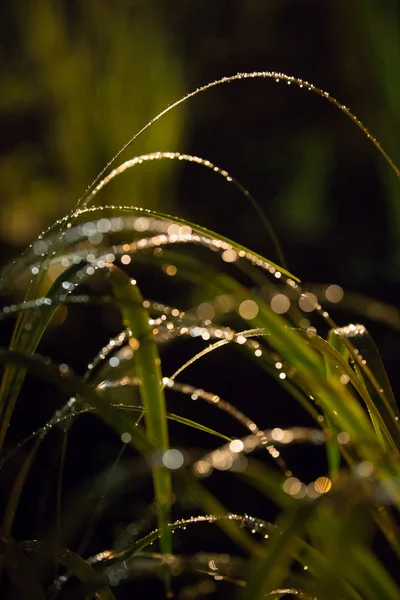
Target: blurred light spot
<point x="134" y="344"/>
<point x="229" y="255"/>
<point x="344" y="379"/>
<point x="236" y="446"/>
<point x="95" y="238"/>
<point x="301" y="493"/>
<point x="89" y="229"/>
<point x="221" y="460"/>
<point x="292" y="486"/>
<point x="173" y="229"/>
<point x="172" y="459"/>
<point x="171" y="270"/>
<point x="334" y="293"/>
<point x="343" y="437"/>
<point x="40" y="247"/>
<point x="126" y="438"/>
<point x="322" y="485"/>
<point x="205" y="311"/>
<point x="141" y="224"/>
<point x="280" y="303"/>
<point x="308" y="302"/>
<point x="126" y="353"/>
<point x="114" y="361"/>
<point x="202" y="468"/>
<point x="185" y="230"/>
<point x="104" y="225"/>
<point x="277" y="434"/>
<point x="125" y="259"/>
<point x="212" y="565"/>
<point x="248" y="309"/>
<point x="312" y="492"/>
<point x="365" y="469"/>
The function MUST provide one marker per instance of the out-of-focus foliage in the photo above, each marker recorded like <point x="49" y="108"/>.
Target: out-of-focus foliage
<point x="382" y="31"/>
<point x="78" y="78"/>
<point x="86" y="75"/>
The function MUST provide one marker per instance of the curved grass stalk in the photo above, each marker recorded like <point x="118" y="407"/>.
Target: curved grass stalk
<point x="201" y="239"/>
<point x="204" y="332"/>
<point x="349" y="414"/>
<point x="66" y="416"/>
<point x="138" y="160"/>
<point x="189" y="232"/>
<point x="26" y="341"/>
<point x="72" y="386"/>
<point x="254" y="259"/>
<point x="239" y="338"/>
<point x="250" y="443"/>
<point x="215" y="400"/>
<point x="255" y="525"/>
<point x="277" y="76"/>
<point x="238" y="77"/>
<point x="361" y="362"/>
<point x="334" y="358"/>
<point x="307" y="363"/>
<point x="363" y="343"/>
<point x="107" y="559"/>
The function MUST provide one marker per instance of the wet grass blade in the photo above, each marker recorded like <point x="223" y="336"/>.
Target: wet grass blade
<point x="270" y="571"/>
<point x="381" y="404"/>
<point x="26" y="341"/>
<point x="72" y="386"/>
<point x="148" y="370"/>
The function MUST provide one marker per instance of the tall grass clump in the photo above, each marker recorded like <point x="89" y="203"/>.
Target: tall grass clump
<point x="180" y="466"/>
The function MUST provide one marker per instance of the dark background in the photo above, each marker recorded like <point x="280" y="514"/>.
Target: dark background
<point x="77" y="79"/>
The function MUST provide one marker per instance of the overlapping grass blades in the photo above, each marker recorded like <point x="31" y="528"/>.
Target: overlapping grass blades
<point x="320" y="545"/>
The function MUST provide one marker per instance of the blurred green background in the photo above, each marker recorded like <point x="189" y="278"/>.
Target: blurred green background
<point x="77" y="79"/>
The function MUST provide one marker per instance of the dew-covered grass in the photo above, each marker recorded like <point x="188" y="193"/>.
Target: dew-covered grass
<point x="320" y="539"/>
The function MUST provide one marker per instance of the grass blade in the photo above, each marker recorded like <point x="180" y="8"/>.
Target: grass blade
<point x="148" y="370"/>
